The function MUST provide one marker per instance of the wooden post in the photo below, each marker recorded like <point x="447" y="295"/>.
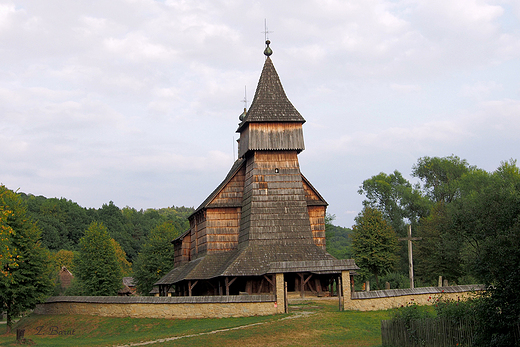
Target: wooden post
<point x="228" y="283"/>
<point x="410" y="256"/>
<point x="286" y="302"/>
<point x="303" y="282"/>
<point x="317" y="282"/>
<point x="302" y="293"/>
<point x="191" y="286"/>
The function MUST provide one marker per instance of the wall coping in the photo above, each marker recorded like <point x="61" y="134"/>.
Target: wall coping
<point x="415" y="291"/>
<point x="162" y="299"/>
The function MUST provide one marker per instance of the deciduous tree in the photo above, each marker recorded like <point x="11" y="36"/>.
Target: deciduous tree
<point x="374" y="243"/>
<point x="24" y="263"/>
<point x="440" y="175"/>
<point x="97" y="267"/>
<point x="156" y="257"/>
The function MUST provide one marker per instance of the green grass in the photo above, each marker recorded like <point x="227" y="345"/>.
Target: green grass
<point x="316" y="324"/>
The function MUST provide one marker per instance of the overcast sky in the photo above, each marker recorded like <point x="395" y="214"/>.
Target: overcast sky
<point x="137" y="101"/>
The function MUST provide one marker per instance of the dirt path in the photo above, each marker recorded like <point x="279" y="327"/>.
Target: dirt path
<point x="144" y="343"/>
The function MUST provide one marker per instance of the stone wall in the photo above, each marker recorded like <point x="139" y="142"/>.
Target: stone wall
<point x="392" y="298"/>
<point x="241" y="305"/>
<point x="162" y="307"/>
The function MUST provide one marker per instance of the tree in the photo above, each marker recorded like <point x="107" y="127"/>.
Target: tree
<point x="112" y="217"/>
<point x="440" y="175"/>
<point x="338" y="239"/>
<point x="374" y="243"/>
<point x="440" y="251"/>
<point x="24" y="263"/>
<point x="156" y="257"/>
<point x="97" y="267"/>
<point x="125" y="265"/>
<point x="61" y="221"/>
<point x="397" y="200"/>
<point x="487" y="215"/>
<point x="64" y="258"/>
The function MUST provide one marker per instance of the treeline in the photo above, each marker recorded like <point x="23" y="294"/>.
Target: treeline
<point x="338" y="239"/>
<point x="63" y="222"/>
<point x="456" y="208"/>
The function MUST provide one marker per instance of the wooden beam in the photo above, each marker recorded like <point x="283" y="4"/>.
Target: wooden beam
<point x="228" y="283"/>
<point x="261" y="284"/>
<point x="269" y="280"/>
<point x="307" y="280"/>
<point x="190" y="286"/>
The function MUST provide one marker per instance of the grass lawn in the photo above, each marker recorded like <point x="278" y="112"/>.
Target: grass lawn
<point x="313" y="323"/>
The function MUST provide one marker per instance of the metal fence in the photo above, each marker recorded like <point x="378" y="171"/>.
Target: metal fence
<point x="431" y="332"/>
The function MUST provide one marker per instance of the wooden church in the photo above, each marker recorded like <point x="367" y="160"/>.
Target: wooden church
<point x="264" y="219"/>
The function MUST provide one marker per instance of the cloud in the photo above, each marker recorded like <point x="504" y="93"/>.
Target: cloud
<point x="405" y="88"/>
<point x="480" y="90"/>
<point x="493" y="119"/>
<point x="97" y="96"/>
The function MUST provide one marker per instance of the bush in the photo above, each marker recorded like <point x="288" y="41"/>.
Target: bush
<point x="411" y="312"/>
<point x="455" y="311"/>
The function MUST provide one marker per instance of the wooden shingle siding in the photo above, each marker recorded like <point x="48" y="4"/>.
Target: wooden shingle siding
<point x="182" y="249"/>
<point x="275" y="208"/>
<point x="222" y="229"/>
<point x="232" y="193"/>
<point x="317" y="219"/>
<point x="270" y="104"/>
<point x="271" y="136"/>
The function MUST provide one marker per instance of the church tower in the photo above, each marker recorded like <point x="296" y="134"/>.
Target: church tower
<point x="274" y="209"/>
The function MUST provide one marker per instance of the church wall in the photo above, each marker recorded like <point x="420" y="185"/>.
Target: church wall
<point x="317" y="219"/>
<point x="198" y="233"/>
<point x="274" y="205"/>
<point x="271" y="136"/>
<point x="223" y="226"/>
<point x="232" y="193"/>
<point x="182" y="249"/>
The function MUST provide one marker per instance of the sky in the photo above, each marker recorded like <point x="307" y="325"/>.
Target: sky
<point x="137" y="101"/>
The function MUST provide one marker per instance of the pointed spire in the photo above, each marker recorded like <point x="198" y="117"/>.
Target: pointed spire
<point x="270" y="103"/>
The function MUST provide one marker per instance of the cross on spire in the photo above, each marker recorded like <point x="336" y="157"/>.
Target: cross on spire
<point x="410" y="256"/>
<point x="244" y="100"/>
<point x="266" y="32"/>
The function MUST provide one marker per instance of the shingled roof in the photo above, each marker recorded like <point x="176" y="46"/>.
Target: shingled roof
<point x="236" y="166"/>
<point x="270" y="103"/>
<point x="259" y="260"/>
